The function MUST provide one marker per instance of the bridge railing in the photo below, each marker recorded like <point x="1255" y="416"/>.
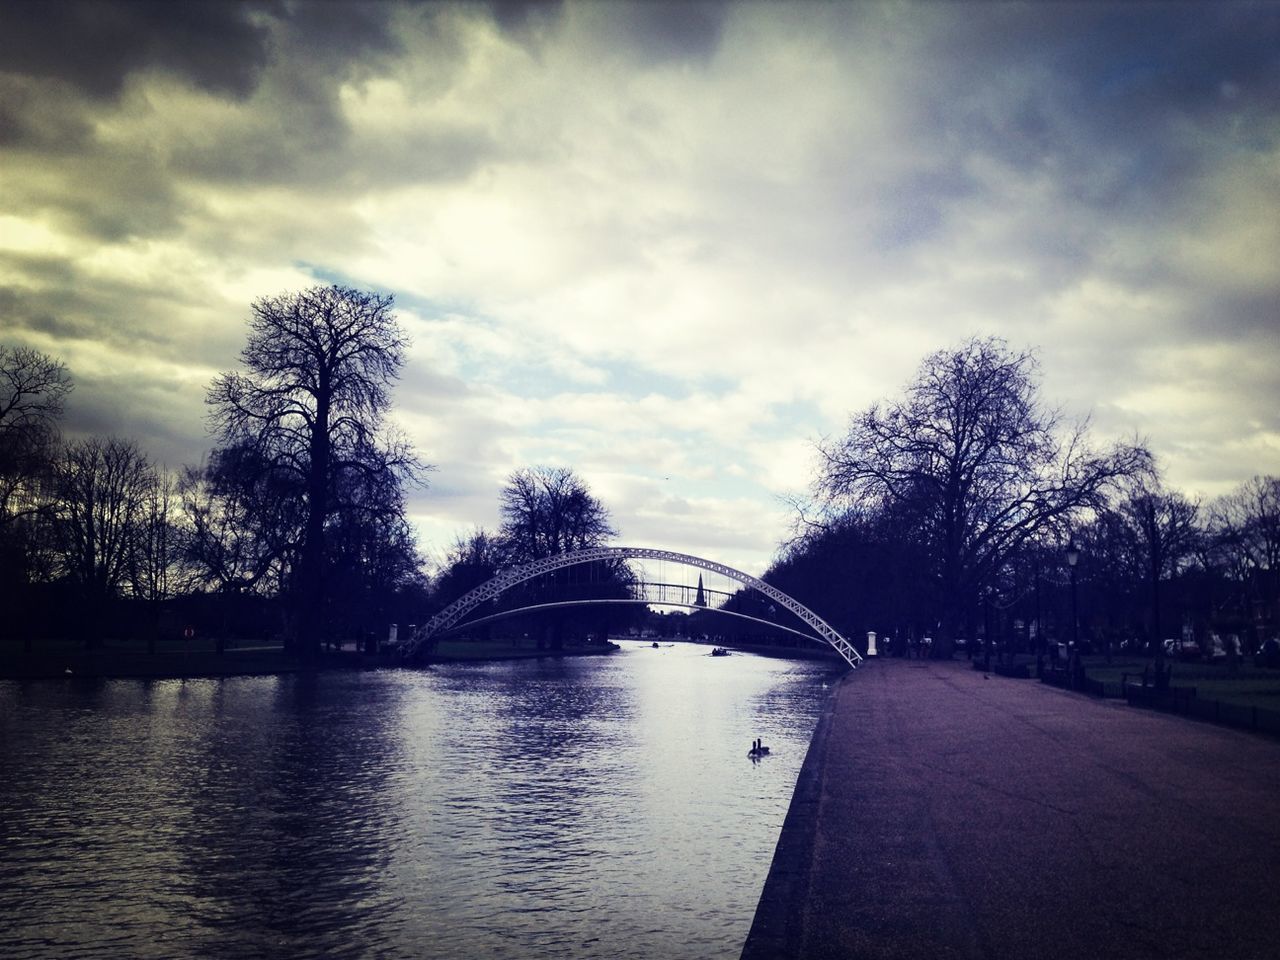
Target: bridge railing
<point x="452" y="615"/>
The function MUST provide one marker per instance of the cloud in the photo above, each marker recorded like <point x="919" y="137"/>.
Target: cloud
<point x="667" y="245"/>
<point x="96" y="46"/>
<point x="657" y="32"/>
<point x="525" y="17"/>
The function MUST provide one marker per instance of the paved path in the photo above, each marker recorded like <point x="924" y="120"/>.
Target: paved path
<point x="941" y="814"/>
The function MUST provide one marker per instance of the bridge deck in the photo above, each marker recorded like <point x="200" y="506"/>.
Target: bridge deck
<point x="941" y="814"/>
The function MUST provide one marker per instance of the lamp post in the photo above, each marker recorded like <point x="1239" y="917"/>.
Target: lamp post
<point x="1041" y="645"/>
<point x="986" y="627"/>
<point x="1073" y="557"/>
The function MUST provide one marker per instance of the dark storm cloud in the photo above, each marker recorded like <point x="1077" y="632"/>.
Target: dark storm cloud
<point x="1039" y="81"/>
<point x="924" y="169"/>
<point x="129" y="358"/>
<point x="522" y="16"/>
<point x="1171" y="58"/>
<point x="1157" y="85"/>
<point x="119" y="344"/>
<point x="657" y="31"/>
<point x="1087" y="126"/>
<point x="1212" y="315"/>
<point x="40" y="119"/>
<point x="166" y="414"/>
<point x="25" y="314"/>
<point x="344" y="32"/>
<point x="109" y="194"/>
<point x="660" y="32"/>
<point x="95" y="45"/>
<point x="221" y="48"/>
<point x="218" y="46"/>
<point x="70" y="304"/>
<point x="282" y="66"/>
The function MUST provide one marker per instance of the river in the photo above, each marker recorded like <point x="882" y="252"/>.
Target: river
<point x="556" y="808"/>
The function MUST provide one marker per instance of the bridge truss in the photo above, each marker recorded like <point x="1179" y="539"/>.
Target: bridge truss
<point x="453" y="616"/>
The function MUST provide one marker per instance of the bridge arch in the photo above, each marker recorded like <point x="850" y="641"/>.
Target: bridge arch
<point x="453" y="614"/>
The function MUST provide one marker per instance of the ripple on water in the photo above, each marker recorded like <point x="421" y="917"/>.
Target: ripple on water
<point x="598" y="807"/>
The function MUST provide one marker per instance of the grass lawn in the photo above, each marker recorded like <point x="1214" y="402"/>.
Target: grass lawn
<point x="198" y="657"/>
<point x="43" y="646"/>
<point x="1247" y="686"/>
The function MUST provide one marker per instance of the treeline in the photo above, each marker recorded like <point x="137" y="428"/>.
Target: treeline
<point x="966" y="508"/>
<point x="969" y="509"/>
<point x="545" y="512"/>
<point x="293" y="527"/>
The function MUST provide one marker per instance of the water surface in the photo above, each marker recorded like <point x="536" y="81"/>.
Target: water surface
<point x="583" y="807"/>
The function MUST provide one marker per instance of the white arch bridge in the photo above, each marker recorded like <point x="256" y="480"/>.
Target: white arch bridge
<point x="454" y="616"/>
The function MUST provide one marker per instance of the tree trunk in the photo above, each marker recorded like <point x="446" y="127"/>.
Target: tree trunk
<point x="1157" y="633"/>
<point x="153" y="626"/>
<point x="309" y="621"/>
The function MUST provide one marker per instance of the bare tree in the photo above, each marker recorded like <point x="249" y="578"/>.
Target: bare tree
<point x="550" y="510"/>
<point x="101" y="486"/>
<point x="312" y="404"/>
<point x="976" y="462"/>
<point x="373" y="557"/>
<point x="1245" y="530"/>
<point x="32" y="389"/>
<point x="243" y="522"/>
<point x="1160" y="530"/>
<point x="471" y="561"/>
<point x="1250" y="516"/>
<point x="155" y="565"/>
<point x="876" y="549"/>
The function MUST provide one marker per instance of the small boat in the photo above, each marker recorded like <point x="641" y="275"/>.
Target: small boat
<point x="719" y="652"/>
<point x="655" y="644"/>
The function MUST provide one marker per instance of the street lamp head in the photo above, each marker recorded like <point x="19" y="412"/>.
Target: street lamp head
<point x="1073" y="554"/>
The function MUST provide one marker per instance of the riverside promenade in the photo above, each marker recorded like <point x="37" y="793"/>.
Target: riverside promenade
<point x="943" y="814"/>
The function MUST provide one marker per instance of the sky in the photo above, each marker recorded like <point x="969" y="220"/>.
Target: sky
<point x="668" y="246"/>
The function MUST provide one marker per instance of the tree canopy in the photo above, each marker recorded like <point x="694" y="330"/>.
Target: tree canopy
<point x="548" y="511"/>
<point x="33" y="387"/>
<point x="974" y="462"/>
<point x="311" y="406"/>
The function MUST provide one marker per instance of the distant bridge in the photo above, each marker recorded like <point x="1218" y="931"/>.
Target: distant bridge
<point x="452" y="617"/>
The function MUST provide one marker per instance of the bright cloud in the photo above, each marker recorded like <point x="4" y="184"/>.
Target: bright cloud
<point x="666" y="245"/>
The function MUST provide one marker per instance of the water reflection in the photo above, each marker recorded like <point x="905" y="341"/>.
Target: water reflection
<point x="599" y="807"/>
